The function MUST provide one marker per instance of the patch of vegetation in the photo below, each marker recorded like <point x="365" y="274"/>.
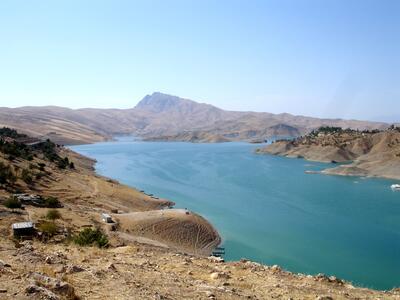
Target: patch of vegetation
<point x="12" y="203"/>
<point x="53" y="214"/>
<point x="63" y="163"/>
<point x="91" y="237"/>
<point x="41" y="166"/>
<point x="6" y="174"/>
<point x="326" y="130"/>
<point x="11" y="133"/>
<point x="51" y="202"/>
<point x="15" y="149"/>
<point x="49" y="229"/>
<point x="26" y="176"/>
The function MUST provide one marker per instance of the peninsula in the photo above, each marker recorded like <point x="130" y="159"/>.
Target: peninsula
<point x="373" y="153"/>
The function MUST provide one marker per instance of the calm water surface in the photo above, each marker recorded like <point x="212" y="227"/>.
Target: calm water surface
<point x="266" y="208"/>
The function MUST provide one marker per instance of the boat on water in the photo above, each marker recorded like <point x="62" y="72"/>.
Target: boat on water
<point x="395" y="187"/>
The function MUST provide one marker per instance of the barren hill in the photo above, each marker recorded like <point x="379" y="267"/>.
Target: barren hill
<point x="48" y="170"/>
<point x="164" y="117"/>
<point x="374" y="153"/>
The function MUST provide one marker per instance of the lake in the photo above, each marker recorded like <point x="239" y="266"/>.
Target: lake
<point x="267" y="209"/>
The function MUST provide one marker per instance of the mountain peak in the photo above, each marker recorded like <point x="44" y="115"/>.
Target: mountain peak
<point x="160" y="102"/>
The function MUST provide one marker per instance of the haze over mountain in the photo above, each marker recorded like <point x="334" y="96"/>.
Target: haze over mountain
<point x="164" y="117"/>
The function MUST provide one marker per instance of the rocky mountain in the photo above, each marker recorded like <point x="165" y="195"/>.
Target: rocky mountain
<point x="164" y="117"/>
<point x="375" y="153"/>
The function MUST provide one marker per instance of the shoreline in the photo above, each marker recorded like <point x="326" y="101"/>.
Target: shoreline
<point x="165" y="207"/>
<point x="234" y="261"/>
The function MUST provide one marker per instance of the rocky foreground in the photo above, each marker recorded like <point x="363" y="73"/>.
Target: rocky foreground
<point x="368" y="153"/>
<point x="33" y="270"/>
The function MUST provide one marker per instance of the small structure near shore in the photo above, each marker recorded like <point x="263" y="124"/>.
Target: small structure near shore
<point x="23" y="229"/>
<point x="219" y="252"/>
<point x="106" y="218"/>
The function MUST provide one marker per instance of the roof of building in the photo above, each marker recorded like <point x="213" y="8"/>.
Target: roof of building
<point x="22" y="225"/>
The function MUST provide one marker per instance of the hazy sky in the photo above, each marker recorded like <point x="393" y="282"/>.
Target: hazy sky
<point x="320" y="58"/>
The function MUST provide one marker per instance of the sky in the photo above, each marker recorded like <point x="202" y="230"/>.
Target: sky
<point x="325" y="58"/>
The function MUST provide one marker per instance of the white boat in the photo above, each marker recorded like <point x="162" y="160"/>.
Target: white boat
<point x="395" y="187"/>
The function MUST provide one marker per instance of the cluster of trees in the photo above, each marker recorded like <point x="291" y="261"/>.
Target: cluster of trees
<point x="16" y="150"/>
<point x="49" y="150"/>
<point x="327" y="130"/>
<point x="333" y="129"/>
<point x="11" y="133"/>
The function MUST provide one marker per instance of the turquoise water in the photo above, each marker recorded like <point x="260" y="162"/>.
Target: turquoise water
<point x="267" y="209"/>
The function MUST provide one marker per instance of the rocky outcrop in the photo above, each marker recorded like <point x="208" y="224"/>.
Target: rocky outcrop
<point x="367" y="153"/>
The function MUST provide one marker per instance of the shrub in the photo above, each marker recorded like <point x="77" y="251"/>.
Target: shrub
<point x="53" y="214"/>
<point x="41" y="166"/>
<point x="26" y="176"/>
<point x="6" y="174"/>
<point x="12" y="203"/>
<point x="90" y="237"/>
<point x="63" y="163"/>
<point x="48" y="228"/>
<point x="71" y="165"/>
<point x="52" y="202"/>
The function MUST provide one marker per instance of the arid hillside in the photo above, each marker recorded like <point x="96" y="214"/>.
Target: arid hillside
<point x="375" y="153"/>
<point x="163" y="117"/>
<point x="48" y="170"/>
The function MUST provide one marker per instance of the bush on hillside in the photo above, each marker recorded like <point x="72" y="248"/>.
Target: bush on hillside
<point x="6" y="174"/>
<point x="91" y="237"/>
<point x="12" y="203"/>
<point x="26" y="176"/>
<point x="53" y="214"/>
<point x="49" y="229"/>
<point x="52" y="202"/>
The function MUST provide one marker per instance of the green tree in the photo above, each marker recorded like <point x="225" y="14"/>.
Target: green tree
<point x="53" y="214"/>
<point x="12" y="203"/>
<point x="52" y="202"/>
<point x="90" y="237"/>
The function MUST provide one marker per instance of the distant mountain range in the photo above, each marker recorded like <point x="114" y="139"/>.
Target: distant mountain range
<point x="164" y="117"/>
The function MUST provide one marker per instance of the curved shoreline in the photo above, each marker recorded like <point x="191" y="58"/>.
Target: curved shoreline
<point x="208" y="232"/>
<point x="150" y="189"/>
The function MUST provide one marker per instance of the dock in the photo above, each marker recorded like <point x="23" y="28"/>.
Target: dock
<point x="218" y="252"/>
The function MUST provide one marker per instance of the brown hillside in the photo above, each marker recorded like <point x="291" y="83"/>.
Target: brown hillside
<point x="371" y="153"/>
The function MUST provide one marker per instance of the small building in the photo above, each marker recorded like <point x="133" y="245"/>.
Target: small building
<point x="106" y="218"/>
<point x="23" y="229"/>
